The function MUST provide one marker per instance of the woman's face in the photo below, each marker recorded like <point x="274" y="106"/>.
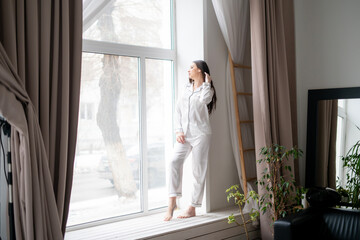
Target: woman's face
<point x="194" y="71"/>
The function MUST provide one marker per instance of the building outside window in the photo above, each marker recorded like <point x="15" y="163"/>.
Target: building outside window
<point x="126" y="105"/>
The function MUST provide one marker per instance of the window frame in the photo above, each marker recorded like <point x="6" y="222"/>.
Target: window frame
<point x="142" y="53"/>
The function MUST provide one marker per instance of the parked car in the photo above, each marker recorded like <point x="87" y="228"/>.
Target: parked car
<point x="156" y="165"/>
<point x="104" y="169"/>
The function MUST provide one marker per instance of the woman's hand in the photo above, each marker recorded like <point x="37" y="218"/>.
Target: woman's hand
<point x="207" y="78"/>
<point x="180" y="137"/>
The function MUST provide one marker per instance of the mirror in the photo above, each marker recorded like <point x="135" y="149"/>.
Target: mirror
<point x="333" y="127"/>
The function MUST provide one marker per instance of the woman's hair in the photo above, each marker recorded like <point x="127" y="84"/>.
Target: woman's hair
<point x="205" y="69"/>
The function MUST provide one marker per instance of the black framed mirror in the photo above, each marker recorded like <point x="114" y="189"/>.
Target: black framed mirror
<point x="315" y="97"/>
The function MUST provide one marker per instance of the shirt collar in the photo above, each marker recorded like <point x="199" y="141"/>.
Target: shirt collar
<point x="189" y="86"/>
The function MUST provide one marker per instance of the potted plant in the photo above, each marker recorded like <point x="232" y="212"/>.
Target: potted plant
<point x="344" y="194"/>
<point x="352" y="165"/>
<point x="282" y="196"/>
<point x="240" y="199"/>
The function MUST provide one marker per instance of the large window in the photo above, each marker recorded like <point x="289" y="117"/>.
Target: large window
<point x="126" y="105"/>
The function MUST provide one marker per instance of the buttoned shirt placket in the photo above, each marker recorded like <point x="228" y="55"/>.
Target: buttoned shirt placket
<point x="188" y="112"/>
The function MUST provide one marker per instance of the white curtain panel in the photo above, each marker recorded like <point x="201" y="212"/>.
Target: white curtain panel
<point x="233" y="18"/>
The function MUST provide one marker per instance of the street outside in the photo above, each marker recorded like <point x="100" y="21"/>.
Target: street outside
<point x="94" y="198"/>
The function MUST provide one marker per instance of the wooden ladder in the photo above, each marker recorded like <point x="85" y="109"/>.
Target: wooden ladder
<point x="238" y="122"/>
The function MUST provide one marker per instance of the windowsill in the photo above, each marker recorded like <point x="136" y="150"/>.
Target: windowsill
<point x="153" y="226"/>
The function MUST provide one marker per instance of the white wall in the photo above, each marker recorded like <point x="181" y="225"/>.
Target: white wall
<point x="199" y="37"/>
<point x="327" y="54"/>
<point x="189" y="37"/>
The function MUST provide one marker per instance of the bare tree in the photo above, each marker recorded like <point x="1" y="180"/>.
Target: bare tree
<point x="110" y="89"/>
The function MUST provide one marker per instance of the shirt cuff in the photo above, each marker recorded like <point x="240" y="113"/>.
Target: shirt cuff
<point x="179" y="130"/>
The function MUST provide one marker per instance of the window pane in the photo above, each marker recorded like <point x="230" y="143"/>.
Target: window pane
<point x="106" y="174"/>
<point x="136" y="22"/>
<point x="159" y="127"/>
<point x="341" y="103"/>
<point x="339" y="149"/>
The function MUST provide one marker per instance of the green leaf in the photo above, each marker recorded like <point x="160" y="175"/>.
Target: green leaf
<point x="231" y="219"/>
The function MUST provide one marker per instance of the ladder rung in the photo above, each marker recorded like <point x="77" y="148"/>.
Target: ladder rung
<point x="251" y="179"/>
<point x="242" y="66"/>
<point x="249" y="150"/>
<point x="249" y="121"/>
<point x="244" y="93"/>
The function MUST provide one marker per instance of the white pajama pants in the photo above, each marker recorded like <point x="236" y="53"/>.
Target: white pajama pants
<point x="199" y="146"/>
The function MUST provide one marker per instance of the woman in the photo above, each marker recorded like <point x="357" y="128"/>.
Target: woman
<point x="193" y="133"/>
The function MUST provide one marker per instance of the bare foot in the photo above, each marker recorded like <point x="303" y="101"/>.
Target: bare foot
<point x="170" y="211"/>
<point x="190" y="212"/>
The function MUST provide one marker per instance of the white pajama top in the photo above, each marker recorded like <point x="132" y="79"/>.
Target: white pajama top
<point x="191" y="110"/>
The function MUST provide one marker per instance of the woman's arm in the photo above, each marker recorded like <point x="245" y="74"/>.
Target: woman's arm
<point x="180" y="137"/>
<point x="206" y="93"/>
<point x="178" y="126"/>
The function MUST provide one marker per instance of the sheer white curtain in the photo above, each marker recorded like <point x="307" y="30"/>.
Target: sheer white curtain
<point x="234" y="21"/>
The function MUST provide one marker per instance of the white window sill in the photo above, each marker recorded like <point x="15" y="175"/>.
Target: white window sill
<point x="204" y="226"/>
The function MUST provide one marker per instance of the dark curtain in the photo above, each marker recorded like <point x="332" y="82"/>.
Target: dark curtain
<point x="325" y="167"/>
<point x="41" y="64"/>
<point x="274" y="82"/>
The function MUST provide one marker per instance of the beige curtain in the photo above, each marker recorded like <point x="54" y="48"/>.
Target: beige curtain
<point x="234" y="21"/>
<point x="325" y="166"/>
<point x="274" y="83"/>
<point x="41" y="66"/>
